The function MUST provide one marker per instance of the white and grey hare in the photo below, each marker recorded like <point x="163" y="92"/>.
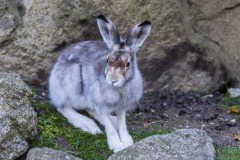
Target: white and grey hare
<point x="101" y="78"/>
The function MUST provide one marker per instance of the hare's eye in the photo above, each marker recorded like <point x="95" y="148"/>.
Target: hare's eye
<point x="128" y="64"/>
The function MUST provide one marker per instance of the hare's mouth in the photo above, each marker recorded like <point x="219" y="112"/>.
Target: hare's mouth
<point x="116" y="83"/>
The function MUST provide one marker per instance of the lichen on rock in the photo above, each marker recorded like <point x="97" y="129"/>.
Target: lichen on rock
<point x="18" y="120"/>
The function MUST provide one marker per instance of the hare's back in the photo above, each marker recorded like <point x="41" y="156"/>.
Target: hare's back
<point x="86" y="52"/>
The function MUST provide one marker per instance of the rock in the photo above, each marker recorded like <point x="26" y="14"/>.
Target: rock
<point x="191" y="47"/>
<point x="234" y="92"/>
<point x="17" y="118"/>
<point x="215" y="26"/>
<point x="48" y="154"/>
<point x="44" y="27"/>
<point x="183" y="144"/>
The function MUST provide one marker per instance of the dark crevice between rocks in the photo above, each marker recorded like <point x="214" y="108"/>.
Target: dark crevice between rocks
<point x="232" y="7"/>
<point x="220" y="13"/>
<point x="5" y="43"/>
<point x="60" y="47"/>
<point x="223" y="88"/>
<point x="227" y="79"/>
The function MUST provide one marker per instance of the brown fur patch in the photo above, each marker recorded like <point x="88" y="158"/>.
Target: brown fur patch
<point x="116" y="61"/>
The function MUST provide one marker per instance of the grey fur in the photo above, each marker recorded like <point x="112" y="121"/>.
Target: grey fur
<point x="78" y="79"/>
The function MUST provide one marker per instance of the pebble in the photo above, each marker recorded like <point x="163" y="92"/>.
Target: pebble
<point x="208" y="96"/>
<point x="234" y="92"/>
<point x="165" y="115"/>
<point x="233" y="120"/>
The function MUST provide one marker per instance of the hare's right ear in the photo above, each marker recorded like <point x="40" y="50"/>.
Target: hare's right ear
<point x="108" y="31"/>
<point x="137" y="35"/>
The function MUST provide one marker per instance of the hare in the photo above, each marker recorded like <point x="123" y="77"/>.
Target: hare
<point x="101" y="78"/>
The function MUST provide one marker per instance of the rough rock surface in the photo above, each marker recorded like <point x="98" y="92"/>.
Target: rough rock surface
<point x="17" y="118"/>
<point x="32" y="32"/>
<point x="48" y="154"/>
<point x="193" y="44"/>
<point x="214" y="25"/>
<point x="234" y="92"/>
<point x="183" y="144"/>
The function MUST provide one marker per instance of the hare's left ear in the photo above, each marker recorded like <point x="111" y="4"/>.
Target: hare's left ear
<point x="108" y="31"/>
<point x="137" y="35"/>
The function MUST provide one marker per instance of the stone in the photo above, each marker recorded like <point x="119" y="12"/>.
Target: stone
<point x="30" y="48"/>
<point x="183" y="144"/>
<point x="18" y="121"/>
<point x="234" y="92"/>
<point x="48" y="154"/>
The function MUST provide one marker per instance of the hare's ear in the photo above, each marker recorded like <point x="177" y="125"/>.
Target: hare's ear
<point x="108" y="31"/>
<point x="137" y="35"/>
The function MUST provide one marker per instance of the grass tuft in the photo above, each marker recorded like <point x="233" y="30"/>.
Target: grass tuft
<point x="227" y="153"/>
<point x="228" y="101"/>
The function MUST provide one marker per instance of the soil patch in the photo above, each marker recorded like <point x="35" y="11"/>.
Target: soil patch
<point x="171" y="110"/>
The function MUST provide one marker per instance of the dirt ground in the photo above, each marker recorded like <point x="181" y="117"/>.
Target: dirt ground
<point x="171" y="110"/>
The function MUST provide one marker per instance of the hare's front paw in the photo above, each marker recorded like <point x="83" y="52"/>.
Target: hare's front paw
<point x="88" y="126"/>
<point x="93" y="129"/>
<point x="116" y="146"/>
<point x="127" y="140"/>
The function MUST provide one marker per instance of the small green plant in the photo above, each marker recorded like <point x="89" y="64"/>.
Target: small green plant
<point x="227" y="153"/>
<point x="228" y="101"/>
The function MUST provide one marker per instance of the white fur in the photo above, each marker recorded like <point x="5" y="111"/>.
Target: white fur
<point x="81" y="80"/>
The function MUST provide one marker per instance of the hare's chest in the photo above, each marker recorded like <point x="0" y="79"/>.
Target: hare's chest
<point x="112" y="97"/>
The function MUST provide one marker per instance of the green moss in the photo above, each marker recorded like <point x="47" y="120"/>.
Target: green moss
<point x="227" y="153"/>
<point x="53" y="125"/>
<point x="143" y="134"/>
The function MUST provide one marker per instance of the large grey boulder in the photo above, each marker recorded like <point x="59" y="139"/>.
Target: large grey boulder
<point x="32" y="30"/>
<point x="214" y="25"/>
<point x="48" y="154"/>
<point x="193" y="44"/>
<point x="183" y="144"/>
<point x="17" y="118"/>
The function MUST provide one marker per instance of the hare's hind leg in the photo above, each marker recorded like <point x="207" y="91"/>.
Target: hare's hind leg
<point x="78" y="120"/>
